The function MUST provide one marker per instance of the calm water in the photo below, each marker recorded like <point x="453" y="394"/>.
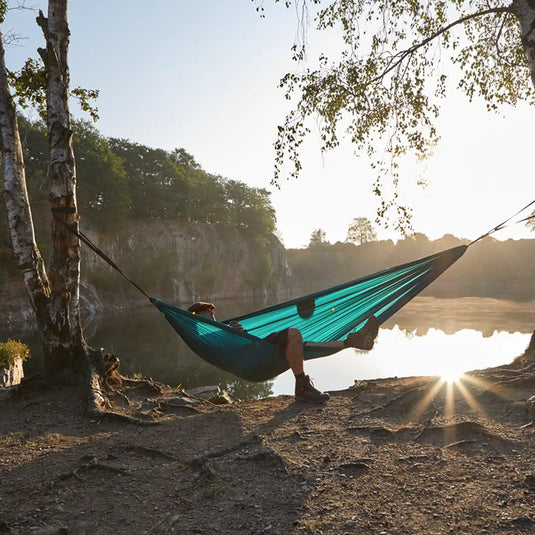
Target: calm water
<point x="429" y="336"/>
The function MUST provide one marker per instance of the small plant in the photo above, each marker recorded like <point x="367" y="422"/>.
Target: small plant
<point x="11" y="350"/>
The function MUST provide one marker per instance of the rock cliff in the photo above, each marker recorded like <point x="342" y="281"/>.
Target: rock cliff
<point x="175" y="262"/>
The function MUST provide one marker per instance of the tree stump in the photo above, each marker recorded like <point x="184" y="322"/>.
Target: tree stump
<point x="12" y="374"/>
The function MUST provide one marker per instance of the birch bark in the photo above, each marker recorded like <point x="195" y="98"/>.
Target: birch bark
<point x="55" y="299"/>
<point x="19" y="213"/>
<point x="525" y="12"/>
<point x="65" y="346"/>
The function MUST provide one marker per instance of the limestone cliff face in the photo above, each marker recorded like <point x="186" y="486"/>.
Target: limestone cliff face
<point x="176" y="263"/>
<point x="184" y="263"/>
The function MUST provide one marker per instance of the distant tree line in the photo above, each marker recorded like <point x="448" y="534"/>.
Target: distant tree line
<point x="359" y="232"/>
<point x="489" y="268"/>
<point x="121" y="181"/>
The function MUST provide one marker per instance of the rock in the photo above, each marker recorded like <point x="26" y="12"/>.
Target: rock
<point x="354" y="468"/>
<point x="203" y="392"/>
<point x="213" y="394"/>
<point x="530" y="407"/>
<point x="529" y="481"/>
<point x="523" y="521"/>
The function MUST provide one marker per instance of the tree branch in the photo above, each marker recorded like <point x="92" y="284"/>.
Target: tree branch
<point x="402" y="55"/>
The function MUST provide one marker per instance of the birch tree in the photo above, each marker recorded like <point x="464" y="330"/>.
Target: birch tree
<point x="54" y="293"/>
<point x="398" y="58"/>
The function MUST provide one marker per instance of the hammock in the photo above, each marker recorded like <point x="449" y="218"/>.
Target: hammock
<point x="322" y="316"/>
<point x="326" y="315"/>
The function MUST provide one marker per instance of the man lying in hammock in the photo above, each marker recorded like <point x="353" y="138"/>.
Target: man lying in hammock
<point x="291" y="342"/>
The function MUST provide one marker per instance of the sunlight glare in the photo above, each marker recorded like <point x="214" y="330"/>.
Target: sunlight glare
<point x="452" y="376"/>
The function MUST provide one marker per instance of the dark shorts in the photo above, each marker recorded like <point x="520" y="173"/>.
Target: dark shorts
<point x="278" y="338"/>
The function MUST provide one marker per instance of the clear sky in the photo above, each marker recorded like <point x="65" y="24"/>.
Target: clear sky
<point x="203" y="75"/>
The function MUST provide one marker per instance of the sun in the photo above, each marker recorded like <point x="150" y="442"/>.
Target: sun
<point x="451" y="376"/>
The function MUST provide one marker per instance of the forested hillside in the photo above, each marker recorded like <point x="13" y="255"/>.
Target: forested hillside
<point x="120" y="182"/>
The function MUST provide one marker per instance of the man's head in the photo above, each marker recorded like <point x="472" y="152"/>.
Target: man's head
<point x="203" y="309"/>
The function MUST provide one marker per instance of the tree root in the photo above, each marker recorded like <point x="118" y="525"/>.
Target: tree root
<point x="103" y="378"/>
<point x="149" y="384"/>
<point x="92" y="464"/>
<point x="151" y="452"/>
<point x="247" y="441"/>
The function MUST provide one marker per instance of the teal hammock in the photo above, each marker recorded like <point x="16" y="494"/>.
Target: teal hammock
<point x="322" y="316"/>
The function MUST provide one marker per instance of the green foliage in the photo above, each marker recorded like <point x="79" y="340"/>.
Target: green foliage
<point x="29" y="86"/>
<point x="102" y="186"/>
<point x="172" y="185"/>
<point x="85" y="98"/>
<point x="383" y="89"/>
<point x="11" y="350"/>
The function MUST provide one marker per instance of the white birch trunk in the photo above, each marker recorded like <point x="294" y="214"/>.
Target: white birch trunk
<point x="525" y="12"/>
<point x="17" y="203"/>
<point x="68" y="346"/>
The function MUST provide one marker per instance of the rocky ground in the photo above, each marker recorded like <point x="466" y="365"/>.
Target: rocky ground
<point x="395" y="456"/>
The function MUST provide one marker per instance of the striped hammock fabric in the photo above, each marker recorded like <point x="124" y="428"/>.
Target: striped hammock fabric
<point x="327" y="315"/>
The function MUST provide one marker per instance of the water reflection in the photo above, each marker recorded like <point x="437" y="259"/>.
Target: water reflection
<point x="429" y="336"/>
<point x="401" y="354"/>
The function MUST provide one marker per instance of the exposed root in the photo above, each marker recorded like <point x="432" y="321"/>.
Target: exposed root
<point x="148" y="383"/>
<point x="151" y="452"/>
<point x="119" y="394"/>
<point x="459" y="443"/>
<point x="104" y="378"/>
<point x="92" y="464"/>
<point x="118" y="417"/>
<point x="248" y="441"/>
<point x="406" y="398"/>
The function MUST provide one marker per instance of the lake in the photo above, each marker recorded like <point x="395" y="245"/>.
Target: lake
<point x="429" y="336"/>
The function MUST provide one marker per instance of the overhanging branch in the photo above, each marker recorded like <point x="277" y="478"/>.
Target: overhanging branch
<point x="401" y="56"/>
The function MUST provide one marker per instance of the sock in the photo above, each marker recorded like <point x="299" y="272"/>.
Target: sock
<point x="299" y="375"/>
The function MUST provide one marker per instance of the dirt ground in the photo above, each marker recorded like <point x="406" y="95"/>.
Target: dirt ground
<point x="395" y="456"/>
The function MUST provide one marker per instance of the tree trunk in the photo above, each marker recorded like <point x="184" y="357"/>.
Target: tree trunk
<point x="55" y="300"/>
<point x="17" y="203"/>
<point x="525" y="12"/>
<point x="64" y="345"/>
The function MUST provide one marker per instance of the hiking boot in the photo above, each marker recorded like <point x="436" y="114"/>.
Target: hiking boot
<point x="305" y="391"/>
<point x="365" y="337"/>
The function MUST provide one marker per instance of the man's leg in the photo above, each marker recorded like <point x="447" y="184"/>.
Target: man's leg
<point x="304" y="389"/>
<point x="294" y="351"/>
<point x="364" y="338"/>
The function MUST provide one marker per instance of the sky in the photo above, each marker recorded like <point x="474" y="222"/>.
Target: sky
<point x="204" y="76"/>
